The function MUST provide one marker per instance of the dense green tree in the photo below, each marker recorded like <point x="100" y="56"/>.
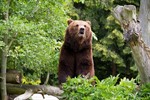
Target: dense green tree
<point x="31" y="33"/>
<point x="111" y="54"/>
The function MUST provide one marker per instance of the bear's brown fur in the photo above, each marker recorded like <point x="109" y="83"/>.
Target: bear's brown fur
<point x="76" y="53"/>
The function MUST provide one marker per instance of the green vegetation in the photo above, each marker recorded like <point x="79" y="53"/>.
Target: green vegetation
<point x="35" y="35"/>
<point x="35" y="30"/>
<point x="112" y="55"/>
<point x="106" y="89"/>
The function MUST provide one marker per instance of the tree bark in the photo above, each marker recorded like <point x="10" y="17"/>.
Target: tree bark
<point x="4" y="58"/>
<point x="3" y="71"/>
<point x="126" y="15"/>
<point x="29" y="90"/>
<point x="47" y="79"/>
<point x="13" y="76"/>
<point x="145" y="20"/>
<point x="114" y="69"/>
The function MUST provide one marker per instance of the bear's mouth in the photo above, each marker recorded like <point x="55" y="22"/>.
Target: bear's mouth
<point x="81" y="34"/>
<point x="81" y="31"/>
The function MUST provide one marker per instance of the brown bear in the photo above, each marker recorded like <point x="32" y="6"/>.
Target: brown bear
<point x="76" y="56"/>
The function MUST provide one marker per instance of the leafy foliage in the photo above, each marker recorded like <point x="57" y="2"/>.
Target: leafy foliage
<point x="93" y="89"/>
<point x="37" y="27"/>
<point x="144" y="93"/>
<point x="111" y="54"/>
<point x="36" y="30"/>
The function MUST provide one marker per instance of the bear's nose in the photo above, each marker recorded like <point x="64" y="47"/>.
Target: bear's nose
<point x="81" y="30"/>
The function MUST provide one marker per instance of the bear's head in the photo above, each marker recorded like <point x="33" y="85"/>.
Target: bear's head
<point x="79" y="30"/>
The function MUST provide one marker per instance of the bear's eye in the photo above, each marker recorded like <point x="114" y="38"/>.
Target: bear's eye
<point x="84" y="25"/>
<point x="77" y="25"/>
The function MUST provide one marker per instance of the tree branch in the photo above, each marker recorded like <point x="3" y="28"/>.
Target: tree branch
<point x="12" y="40"/>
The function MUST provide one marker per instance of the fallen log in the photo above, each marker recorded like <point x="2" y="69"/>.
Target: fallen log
<point x="21" y="88"/>
<point x="29" y="90"/>
<point x="13" y="76"/>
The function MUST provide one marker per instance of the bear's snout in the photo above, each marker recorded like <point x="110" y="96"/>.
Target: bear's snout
<point x="81" y="31"/>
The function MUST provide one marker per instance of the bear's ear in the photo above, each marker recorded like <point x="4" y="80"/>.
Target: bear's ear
<point x="89" y="22"/>
<point x="69" y="21"/>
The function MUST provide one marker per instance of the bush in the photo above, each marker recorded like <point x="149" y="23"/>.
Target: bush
<point x="93" y="89"/>
<point x="144" y="93"/>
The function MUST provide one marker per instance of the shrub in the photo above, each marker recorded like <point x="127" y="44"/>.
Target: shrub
<point x="144" y="92"/>
<point x="93" y="89"/>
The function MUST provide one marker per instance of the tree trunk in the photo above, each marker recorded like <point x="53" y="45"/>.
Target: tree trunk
<point x="145" y="28"/>
<point x="114" y="69"/>
<point x="4" y="57"/>
<point x="47" y="79"/>
<point x="3" y="71"/>
<point x="126" y="15"/>
<point x="144" y="20"/>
